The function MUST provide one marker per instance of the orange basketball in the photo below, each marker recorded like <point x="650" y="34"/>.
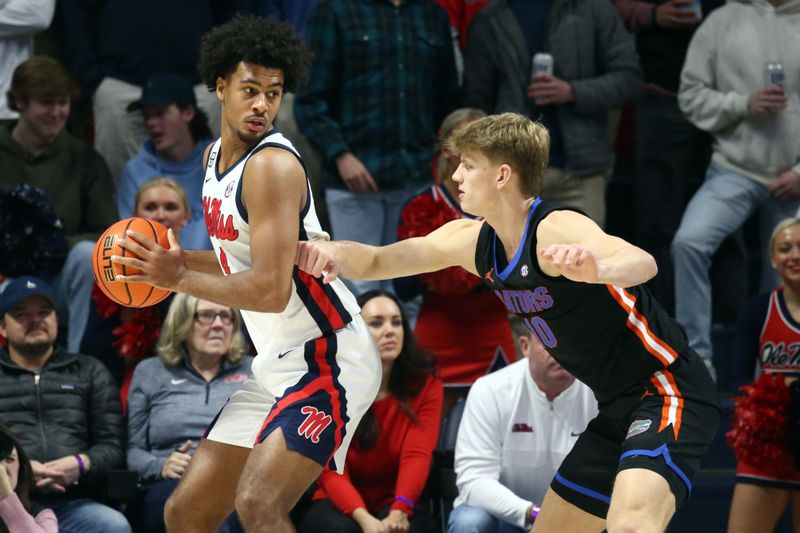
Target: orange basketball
<point x="129" y="294"/>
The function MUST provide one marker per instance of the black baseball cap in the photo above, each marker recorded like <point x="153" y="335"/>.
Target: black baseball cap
<point x="164" y="89"/>
<point x="21" y="288"/>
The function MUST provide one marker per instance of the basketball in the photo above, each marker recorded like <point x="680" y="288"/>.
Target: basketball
<point x="129" y="294"/>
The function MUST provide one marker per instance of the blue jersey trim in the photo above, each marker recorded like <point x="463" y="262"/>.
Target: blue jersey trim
<point x="583" y="490"/>
<point x="661" y="450"/>
<point x="513" y="263"/>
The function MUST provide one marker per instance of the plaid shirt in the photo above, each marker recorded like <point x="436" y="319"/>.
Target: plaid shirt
<point x="382" y="79"/>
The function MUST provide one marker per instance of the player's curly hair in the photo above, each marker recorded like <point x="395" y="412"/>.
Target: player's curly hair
<point x="257" y="40"/>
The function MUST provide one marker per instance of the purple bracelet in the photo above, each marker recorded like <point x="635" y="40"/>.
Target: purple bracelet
<point x="81" y="466"/>
<point x="403" y="499"/>
<point x="534" y="513"/>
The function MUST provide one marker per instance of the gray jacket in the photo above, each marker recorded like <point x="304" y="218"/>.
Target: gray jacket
<point x="591" y="50"/>
<point x="168" y="405"/>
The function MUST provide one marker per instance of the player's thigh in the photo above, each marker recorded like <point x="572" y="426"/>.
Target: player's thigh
<point x="558" y="515"/>
<point x="641" y="497"/>
<point x="209" y="484"/>
<point x="275" y="476"/>
<point x="756" y="509"/>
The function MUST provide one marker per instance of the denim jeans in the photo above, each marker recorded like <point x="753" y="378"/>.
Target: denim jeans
<point x="73" y="289"/>
<point x="87" y="516"/>
<point x="366" y="218"/>
<point x="468" y="519"/>
<point x="721" y="205"/>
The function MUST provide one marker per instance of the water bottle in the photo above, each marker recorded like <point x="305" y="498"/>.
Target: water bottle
<point x="542" y="64"/>
<point x="773" y="74"/>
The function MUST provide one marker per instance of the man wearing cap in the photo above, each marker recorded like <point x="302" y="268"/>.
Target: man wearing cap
<point x="178" y="133"/>
<point x="63" y="407"/>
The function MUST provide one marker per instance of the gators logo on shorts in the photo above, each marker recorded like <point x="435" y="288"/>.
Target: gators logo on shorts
<point x="638" y="426"/>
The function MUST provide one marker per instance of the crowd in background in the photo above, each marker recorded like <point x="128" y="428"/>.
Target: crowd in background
<point x="673" y="124"/>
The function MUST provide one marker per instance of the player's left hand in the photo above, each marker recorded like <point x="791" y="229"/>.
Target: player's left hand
<point x="572" y="261"/>
<point x="396" y="522"/>
<point x="159" y="266"/>
<point x="317" y="258"/>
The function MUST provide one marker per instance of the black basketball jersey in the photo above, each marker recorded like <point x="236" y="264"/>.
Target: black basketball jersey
<point x="608" y="337"/>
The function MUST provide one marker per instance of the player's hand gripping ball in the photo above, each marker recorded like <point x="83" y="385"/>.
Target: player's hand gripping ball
<point x="129" y="294"/>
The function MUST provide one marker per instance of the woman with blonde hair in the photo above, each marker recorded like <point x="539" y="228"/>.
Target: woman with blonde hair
<point x="765" y="430"/>
<point x="477" y="339"/>
<point x="174" y="397"/>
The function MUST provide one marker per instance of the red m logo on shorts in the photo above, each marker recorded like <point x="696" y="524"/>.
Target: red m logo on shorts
<point x="315" y="422"/>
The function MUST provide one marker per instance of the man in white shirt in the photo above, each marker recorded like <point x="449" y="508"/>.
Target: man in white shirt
<point x="518" y="425"/>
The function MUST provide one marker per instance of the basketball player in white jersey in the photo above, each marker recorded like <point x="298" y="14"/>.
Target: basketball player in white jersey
<point x="317" y="370"/>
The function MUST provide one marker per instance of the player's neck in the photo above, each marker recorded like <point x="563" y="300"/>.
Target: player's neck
<point x="508" y="221"/>
<point x="232" y="149"/>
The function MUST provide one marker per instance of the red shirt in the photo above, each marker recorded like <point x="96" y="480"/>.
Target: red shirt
<point x="461" y="13"/>
<point x="399" y="462"/>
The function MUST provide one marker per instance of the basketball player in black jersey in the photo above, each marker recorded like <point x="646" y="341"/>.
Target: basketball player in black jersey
<point x="580" y="291"/>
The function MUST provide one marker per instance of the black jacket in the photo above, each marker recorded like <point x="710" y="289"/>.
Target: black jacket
<point x="72" y="406"/>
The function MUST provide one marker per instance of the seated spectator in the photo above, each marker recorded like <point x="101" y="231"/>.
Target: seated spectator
<point x="478" y="339"/>
<point x="518" y="425"/>
<point x="756" y="157"/>
<point x="388" y="462"/>
<point x="64" y="409"/>
<point x="17" y="513"/>
<point x="175" y="396"/>
<point x="38" y="150"/>
<point x="178" y="134"/>
<point x="122" y="336"/>
<point x="767" y="337"/>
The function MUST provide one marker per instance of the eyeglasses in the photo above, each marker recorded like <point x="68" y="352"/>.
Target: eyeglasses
<point x="207" y="317"/>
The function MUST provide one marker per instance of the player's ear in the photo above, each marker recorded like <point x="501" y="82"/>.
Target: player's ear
<point x="220" y="87"/>
<point x="503" y="175"/>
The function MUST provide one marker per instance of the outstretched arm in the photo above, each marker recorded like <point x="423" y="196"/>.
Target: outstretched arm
<point x="573" y="246"/>
<point x="450" y="245"/>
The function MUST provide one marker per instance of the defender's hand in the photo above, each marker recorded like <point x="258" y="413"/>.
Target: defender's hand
<point x="317" y="258"/>
<point x="159" y="267"/>
<point x="572" y="261"/>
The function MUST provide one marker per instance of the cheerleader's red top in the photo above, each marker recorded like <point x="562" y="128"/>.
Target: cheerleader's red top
<point x="394" y="471"/>
<point x="460" y="321"/>
<point x="767" y="340"/>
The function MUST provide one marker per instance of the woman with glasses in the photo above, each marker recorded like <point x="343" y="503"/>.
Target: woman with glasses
<point x="174" y="397"/>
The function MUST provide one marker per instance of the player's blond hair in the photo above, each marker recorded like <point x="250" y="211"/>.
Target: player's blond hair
<point x="180" y="317"/>
<point x="508" y="138"/>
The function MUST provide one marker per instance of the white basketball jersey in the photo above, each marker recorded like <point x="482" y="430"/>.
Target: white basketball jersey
<point x="314" y="309"/>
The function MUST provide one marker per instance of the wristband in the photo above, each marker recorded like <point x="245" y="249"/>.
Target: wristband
<point x="534" y="513"/>
<point x="403" y="499"/>
<point x="81" y="465"/>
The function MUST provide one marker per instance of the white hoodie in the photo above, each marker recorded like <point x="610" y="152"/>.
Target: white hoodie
<point x="725" y="65"/>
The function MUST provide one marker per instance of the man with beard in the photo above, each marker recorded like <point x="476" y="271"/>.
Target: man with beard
<point x="63" y="407"/>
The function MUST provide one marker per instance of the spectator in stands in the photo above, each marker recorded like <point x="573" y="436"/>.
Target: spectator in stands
<point x="477" y="339"/>
<point x="38" y="150"/>
<point x="19" y="20"/>
<point x="574" y="102"/>
<point x="671" y="154"/>
<point x="383" y="78"/>
<point x="756" y="159"/>
<point x="295" y="12"/>
<point x="115" y="46"/>
<point x="767" y="337"/>
<point x="388" y="462"/>
<point x="175" y="396"/>
<point x="518" y="425"/>
<point x="64" y="409"/>
<point x="178" y="135"/>
<point x="122" y="336"/>
<point x="17" y="513"/>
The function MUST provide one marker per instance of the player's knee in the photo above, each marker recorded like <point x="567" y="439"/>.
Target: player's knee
<point x="258" y="509"/>
<point x="632" y="522"/>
